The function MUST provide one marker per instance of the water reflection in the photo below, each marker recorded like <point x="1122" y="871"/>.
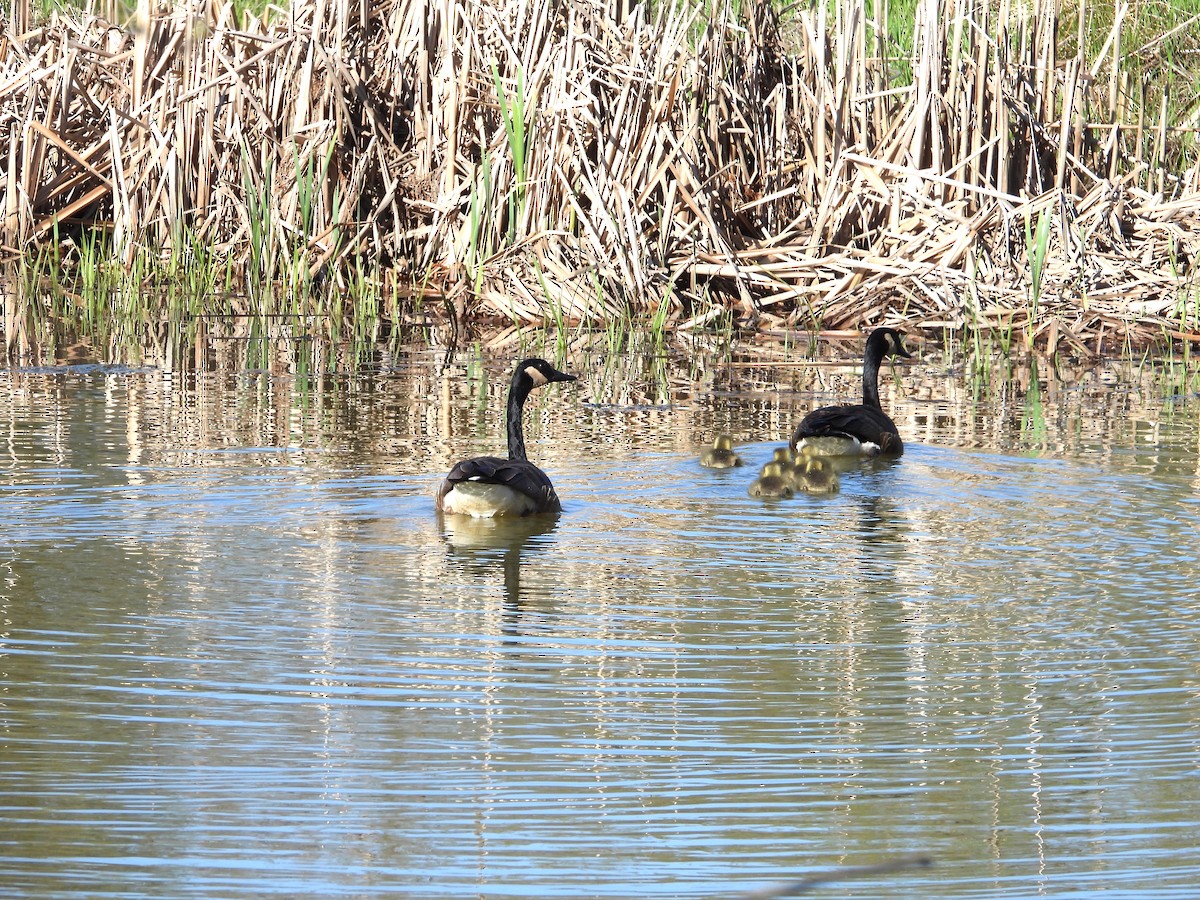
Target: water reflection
<point x="883" y="534"/>
<point x="494" y="550"/>
<point x="242" y="655"/>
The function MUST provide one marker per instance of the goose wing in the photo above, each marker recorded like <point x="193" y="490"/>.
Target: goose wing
<point x="862" y="422"/>
<point x="517" y="475"/>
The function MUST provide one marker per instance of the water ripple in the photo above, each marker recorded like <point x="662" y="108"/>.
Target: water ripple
<point x="275" y="672"/>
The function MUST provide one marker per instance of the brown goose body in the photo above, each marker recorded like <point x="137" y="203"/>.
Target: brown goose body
<point x="860" y="428"/>
<point x="487" y="486"/>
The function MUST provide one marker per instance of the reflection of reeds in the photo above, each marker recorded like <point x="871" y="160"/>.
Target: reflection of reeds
<point x="416" y="417"/>
<point x="575" y="162"/>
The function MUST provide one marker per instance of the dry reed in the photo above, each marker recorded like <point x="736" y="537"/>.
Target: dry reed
<point x="587" y="161"/>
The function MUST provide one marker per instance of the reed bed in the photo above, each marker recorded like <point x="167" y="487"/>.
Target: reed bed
<point x="596" y="163"/>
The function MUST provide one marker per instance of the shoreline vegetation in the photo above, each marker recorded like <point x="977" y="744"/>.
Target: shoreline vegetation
<point x="356" y="170"/>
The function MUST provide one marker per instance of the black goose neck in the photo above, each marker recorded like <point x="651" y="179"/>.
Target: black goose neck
<point x="518" y="392"/>
<point x="877" y="345"/>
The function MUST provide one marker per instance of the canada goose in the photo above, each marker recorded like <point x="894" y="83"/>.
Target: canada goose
<point x="772" y="482"/>
<point x="815" y="475"/>
<point x="487" y="486"/>
<point x="721" y="454"/>
<point x="862" y="429"/>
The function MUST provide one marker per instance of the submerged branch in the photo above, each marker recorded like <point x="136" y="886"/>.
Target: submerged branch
<point x="834" y="876"/>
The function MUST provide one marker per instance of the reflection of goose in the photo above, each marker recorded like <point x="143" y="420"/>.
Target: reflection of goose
<point x="487" y="486"/>
<point x="476" y="538"/>
<point x="721" y="454"/>
<point x="816" y="475"/>
<point x="772" y="482"/>
<point x="857" y="429"/>
<point x="484" y="546"/>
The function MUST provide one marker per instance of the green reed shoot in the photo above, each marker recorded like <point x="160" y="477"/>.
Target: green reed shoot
<point x="975" y="308"/>
<point x="307" y="187"/>
<point x="658" y="322"/>
<point x="1187" y="295"/>
<point x="1188" y="309"/>
<point x="1037" y="244"/>
<point x="262" y="265"/>
<point x="364" y="294"/>
<point x="479" y="243"/>
<point x="36" y="275"/>
<point x="616" y="328"/>
<point x="513" y="113"/>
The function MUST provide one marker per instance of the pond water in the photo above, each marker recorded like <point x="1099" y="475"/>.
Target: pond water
<point x="241" y="656"/>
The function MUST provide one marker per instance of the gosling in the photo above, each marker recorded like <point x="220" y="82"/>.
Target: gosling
<point x="772" y="483"/>
<point x="815" y="476"/>
<point x="721" y="454"/>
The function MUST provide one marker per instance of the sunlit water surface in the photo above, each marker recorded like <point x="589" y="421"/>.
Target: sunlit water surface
<point x="240" y="656"/>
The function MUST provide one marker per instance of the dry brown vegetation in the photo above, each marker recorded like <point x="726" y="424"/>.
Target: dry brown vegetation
<point x="585" y="161"/>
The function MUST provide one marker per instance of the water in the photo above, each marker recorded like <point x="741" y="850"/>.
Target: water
<point x="241" y="656"/>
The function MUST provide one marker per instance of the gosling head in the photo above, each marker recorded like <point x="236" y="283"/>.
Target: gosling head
<point x="772" y="482"/>
<point x="784" y="456"/>
<point x="817" y="476"/>
<point x="721" y="454"/>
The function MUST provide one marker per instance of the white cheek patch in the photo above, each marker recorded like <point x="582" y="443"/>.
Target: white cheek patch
<point x="535" y="376"/>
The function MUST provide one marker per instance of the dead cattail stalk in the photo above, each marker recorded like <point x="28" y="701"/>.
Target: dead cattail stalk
<point x="540" y="161"/>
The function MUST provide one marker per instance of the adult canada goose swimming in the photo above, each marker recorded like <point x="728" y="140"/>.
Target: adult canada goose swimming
<point x="721" y="454"/>
<point x="861" y="429"/>
<point x="487" y="486"/>
<point x="772" y="482"/>
<point x="815" y="475"/>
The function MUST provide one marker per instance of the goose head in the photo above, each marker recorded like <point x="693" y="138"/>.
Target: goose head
<point x="534" y="372"/>
<point x="885" y="342"/>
